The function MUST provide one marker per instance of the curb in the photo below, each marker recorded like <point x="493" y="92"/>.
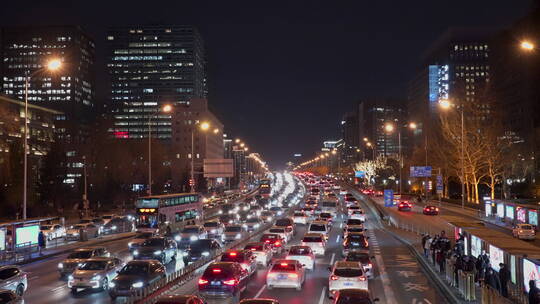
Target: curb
<point x="63" y="251"/>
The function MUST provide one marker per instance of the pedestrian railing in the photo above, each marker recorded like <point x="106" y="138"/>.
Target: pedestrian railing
<point x="492" y="296"/>
<point x="466" y="285"/>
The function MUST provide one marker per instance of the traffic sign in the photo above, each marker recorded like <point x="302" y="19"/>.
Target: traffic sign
<point x="388" y="197"/>
<point x="439" y="184"/>
<point x="424" y="171"/>
<point x="359" y="174"/>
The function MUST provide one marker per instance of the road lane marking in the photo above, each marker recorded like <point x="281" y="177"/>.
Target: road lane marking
<point x="323" y="292"/>
<point x="332" y="259"/>
<point x="337" y="238"/>
<point x="58" y="288"/>
<point x="260" y="291"/>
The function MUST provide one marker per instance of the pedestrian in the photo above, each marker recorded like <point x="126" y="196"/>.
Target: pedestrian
<point x="41" y="242"/>
<point x="492" y="279"/>
<point x="504" y="277"/>
<point x="440" y="260"/>
<point x="427" y="246"/>
<point x="433" y="248"/>
<point x="458" y="265"/>
<point x="534" y="293"/>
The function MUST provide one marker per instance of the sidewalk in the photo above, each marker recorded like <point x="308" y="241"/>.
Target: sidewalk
<point x="32" y="255"/>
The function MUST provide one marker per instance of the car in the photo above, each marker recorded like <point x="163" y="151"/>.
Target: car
<point x="79" y="256"/>
<point x="13" y="278"/>
<point x="190" y="233"/>
<point x="354" y="222"/>
<point x="278" y="211"/>
<point x="430" y="210"/>
<point x="53" y="231"/>
<point x="308" y="211"/>
<point x="524" y="232"/>
<point x="118" y="225"/>
<point x="136" y="275"/>
<point x="10" y="297"/>
<point x="243" y="216"/>
<point x="319" y="227"/>
<point x="94" y="274"/>
<point x="230" y="209"/>
<point x="273" y="239"/>
<point x="353" y="296"/>
<point x="159" y="248"/>
<point x="345" y="275"/>
<point x="213" y="229"/>
<point x="108" y="217"/>
<point x="299" y="217"/>
<point x="180" y="299"/>
<point x="286" y="222"/>
<point x="363" y="258"/>
<point x="311" y="203"/>
<point x="244" y="257"/>
<point x="351" y="208"/>
<point x="223" y="280"/>
<point x="262" y="251"/>
<point x="355" y="241"/>
<point x="228" y="219"/>
<point x="74" y="232"/>
<point x="252" y="224"/>
<point x="286" y="274"/>
<point x="330" y="206"/>
<point x="139" y="238"/>
<point x="233" y="233"/>
<point x="243" y="206"/>
<point x="282" y="231"/>
<point x="316" y="241"/>
<point x="256" y="209"/>
<point x="327" y="217"/>
<point x="358" y="214"/>
<point x="302" y="254"/>
<point x="267" y="216"/>
<point x="404" y="206"/>
<point x="342" y="191"/>
<point x="201" y="249"/>
<point x="350" y="200"/>
<point x="259" y="301"/>
<point x="99" y="222"/>
<point x="352" y="229"/>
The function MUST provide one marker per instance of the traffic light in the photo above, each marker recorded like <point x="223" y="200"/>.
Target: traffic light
<point x="191" y="182"/>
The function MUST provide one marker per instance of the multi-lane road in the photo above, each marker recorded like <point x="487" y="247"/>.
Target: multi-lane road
<point x="398" y="278"/>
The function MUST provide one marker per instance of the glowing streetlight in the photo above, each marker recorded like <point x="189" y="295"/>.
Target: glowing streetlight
<point x="334" y="152"/>
<point x="366" y="139"/>
<point x="166" y="108"/>
<point x="412" y="126"/>
<point x="445" y="104"/>
<point x="216" y="131"/>
<point x="242" y="145"/>
<point x="368" y="144"/>
<point x="205" y="126"/>
<point x="388" y="127"/>
<point x="246" y="149"/>
<point x="237" y="141"/>
<point x="527" y="45"/>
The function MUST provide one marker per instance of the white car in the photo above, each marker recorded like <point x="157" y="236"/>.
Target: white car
<point x="139" y="238"/>
<point x="286" y="274"/>
<point x="282" y="231"/>
<point x="267" y="216"/>
<point x="299" y="217"/>
<point x="213" y="228"/>
<point x="107" y="218"/>
<point x="319" y="227"/>
<point x="302" y="254"/>
<point x="352" y="229"/>
<point x="53" y="231"/>
<point x="233" y="233"/>
<point x="316" y="242"/>
<point x="358" y="214"/>
<point x="263" y="252"/>
<point x="346" y="275"/>
<point x="94" y="273"/>
<point x="524" y="232"/>
<point x="73" y="233"/>
<point x="191" y="233"/>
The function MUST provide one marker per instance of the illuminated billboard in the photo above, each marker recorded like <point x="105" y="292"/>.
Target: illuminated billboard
<point x="26" y="236"/>
<point x="531" y="271"/>
<point x="496" y="257"/>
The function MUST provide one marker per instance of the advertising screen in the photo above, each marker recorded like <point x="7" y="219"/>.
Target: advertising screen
<point x="510" y="212"/>
<point x="495" y="257"/>
<point x="513" y="268"/>
<point x="500" y="210"/>
<point x="533" y="217"/>
<point x="2" y="239"/>
<point x="476" y="246"/>
<point x="488" y="209"/>
<point x="521" y="215"/>
<point x="26" y="235"/>
<point x="531" y="271"/>
<point x="466" y="246"/>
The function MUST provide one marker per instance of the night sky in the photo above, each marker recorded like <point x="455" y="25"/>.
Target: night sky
<point x="282" y="73"/>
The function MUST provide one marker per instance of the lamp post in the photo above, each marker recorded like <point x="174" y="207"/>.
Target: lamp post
<point x="52" y="65"/>
<point x="165" y="109"/>
<point x="203" y="126"/>
<point x="389" y="128"/>
<point x="446" y="104"/>
<point x="370" y="145"/>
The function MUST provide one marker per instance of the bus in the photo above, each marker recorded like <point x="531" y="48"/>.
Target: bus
<point x="264" y="187"/>
<point x="168" y="212"/>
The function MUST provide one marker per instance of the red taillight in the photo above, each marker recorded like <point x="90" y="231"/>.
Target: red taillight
<point x="216" y="270"/>
<point x="370" y="265"/>
<point x="277" y="244"/>
<point x="436" y="209"/>
<point x="333" y="278"/>
<point x="362" y="278"/>
<point x="267" y="241"/>
<point x="253" y="249"/>
<point x="232" y="254"/>
<point x="230" y="282"/>
<point x="283" y="264"/>
<point x="203" y="282"/>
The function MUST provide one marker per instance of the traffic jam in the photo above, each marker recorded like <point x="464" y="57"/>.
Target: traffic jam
<point x="284" y="232"/>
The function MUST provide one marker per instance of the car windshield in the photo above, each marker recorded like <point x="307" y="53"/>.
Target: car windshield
<point x="325" y="215"/>
<point x="329" y="204"/>
<point x="254" y="247"/>
<point x="308" y="239"/>
<point x="45" y="227"/>
<point x="358" y="257"/>
<point x="354" y="222"/>
<point x="269" y="237"/>
<point x="217" y="273"/>
<point x="153" y="242"/>
<point x="200" y="245"/>
<point x="299" y="251"/>
<point x="145" y="235"/>
<point x="85" y="221"/>
<point x="277" y="230"/>
<point x="348" y="272"/>
<point x="283" y="267"/>
<point x="252" y="220"/>
<point x="107" y="217"/>
<point x="317" y="227"/>
<point x="526" y="227"/>
<point x="355" y="229"/>
<point x="93" y="265"/>
<point x="298" y="214"/>
<point x="211" y="224"/>
<point x="267" y="213"/>
<point x="190" y="230"/>
<point x="79" y="227"/>
<point x="232" y="257"/>
<point x="80" y="255"/>
<point x="233" y="229"/>
<point x="353" y="299"/>
<point x="135" y="269"/>
<point x="283" y="222"/>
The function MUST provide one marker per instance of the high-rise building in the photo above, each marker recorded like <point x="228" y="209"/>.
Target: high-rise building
<point x="150" y="66"/>
<point x="190" y="141"/>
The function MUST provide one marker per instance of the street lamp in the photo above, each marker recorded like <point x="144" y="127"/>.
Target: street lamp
<point x="53" y="65"/>
<point x="390" y="128"/>
<point x="165" y="109"/>
<point x="370" y="145"/>
<point x="203" y="126"/>
<point x="527" y="45"/>
<point x="445" y="104"/>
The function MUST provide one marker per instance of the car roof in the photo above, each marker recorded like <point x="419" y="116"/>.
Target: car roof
<point x="140" y="262"/>
<point x="192" y="226"/>
<point x="10" y="266"/>
<point x="356" y="234"/>
<point x="259" y="301"/>
<point x="355" y="293"/>
<point x="314" y="235"/>
<point x="101" y="259"/>
<point x="299" y="247"/>
<point x="88" y="248"/>
<point x="319" y="222"/>
<point x="285" y="261"/>
<point x="347" y="264"/>
<point x="174" y="299"/>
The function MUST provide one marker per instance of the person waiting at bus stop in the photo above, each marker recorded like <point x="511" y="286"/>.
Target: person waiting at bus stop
<point x="534" y="293"/>
<point x="504" y="277"/>
<point x="41" y="242"/>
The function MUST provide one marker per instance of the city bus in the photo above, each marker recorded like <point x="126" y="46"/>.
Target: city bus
<point x="264" y="187"/>
<point x="168" y="212"/>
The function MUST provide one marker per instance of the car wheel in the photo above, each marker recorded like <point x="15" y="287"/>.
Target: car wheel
<point x="269" y="287"/>
<point x="105" y="284"/>
<point x="74" y="291"/>
<point x="20" y="290"/>
<point x="113" y="298"/>
<point x="299" y="287"/>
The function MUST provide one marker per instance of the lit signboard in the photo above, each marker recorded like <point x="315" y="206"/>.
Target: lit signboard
<point x="476" y="246"/>
<point x="2" y="239"/>
<point x="500" y="210"/>
<point x="510" y="212"/>
<point x="433" y="83"/>
<point x="521" y="215"/>
<point x="496" y="257"/>
<point x="533" y="217"/>
<point x="531" y="271"/>
<point x="26" y="236"/>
